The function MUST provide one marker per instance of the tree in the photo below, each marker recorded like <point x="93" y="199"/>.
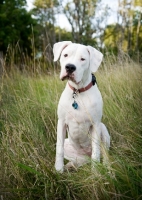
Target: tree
<point x="86" y="25"/>
<point x="126" y="34"/>
<point x="130" y="12"/>
<point x="16" y="25"/>
<point x="45" y="12"/>
<point x="80" y="15"/>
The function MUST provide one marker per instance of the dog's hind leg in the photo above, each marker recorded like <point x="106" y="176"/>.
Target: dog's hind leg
<point x="76" y="157"/>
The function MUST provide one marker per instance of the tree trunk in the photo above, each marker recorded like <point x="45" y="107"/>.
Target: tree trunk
<point x="137" y="33"/>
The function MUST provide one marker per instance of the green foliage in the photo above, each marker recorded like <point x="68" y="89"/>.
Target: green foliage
<point x="126" y="34"/>
<point x="16" y="25"/>
<point x="62" y="34"/>
<point x="28" y="123"/>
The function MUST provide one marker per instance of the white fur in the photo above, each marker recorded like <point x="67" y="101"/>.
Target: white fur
<point x="84" y="127"/>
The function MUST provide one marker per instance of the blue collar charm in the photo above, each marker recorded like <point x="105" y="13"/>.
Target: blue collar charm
<point x="75" y="105"/>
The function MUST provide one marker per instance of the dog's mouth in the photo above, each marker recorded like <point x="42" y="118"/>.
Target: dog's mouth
<point x="68" y="77"/>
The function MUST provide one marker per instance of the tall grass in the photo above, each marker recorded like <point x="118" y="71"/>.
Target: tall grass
<point x="28" y="135"/>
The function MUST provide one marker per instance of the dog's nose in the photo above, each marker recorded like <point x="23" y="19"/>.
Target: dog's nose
<point x="70" y="68"/>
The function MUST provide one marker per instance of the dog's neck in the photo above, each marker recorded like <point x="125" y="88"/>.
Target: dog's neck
<point x="83" y="83"/>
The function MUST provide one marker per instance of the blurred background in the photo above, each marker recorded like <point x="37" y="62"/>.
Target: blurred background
<point x="28" y="29"/>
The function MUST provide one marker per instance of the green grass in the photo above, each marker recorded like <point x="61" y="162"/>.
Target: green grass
<point x="28" y="122"/>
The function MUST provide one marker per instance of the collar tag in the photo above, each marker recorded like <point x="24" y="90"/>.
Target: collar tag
<point x="75" y="105"/>
<point x="75" y="93"/>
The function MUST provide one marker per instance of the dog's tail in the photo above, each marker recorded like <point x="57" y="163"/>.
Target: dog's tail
<point x="105" y="137"/>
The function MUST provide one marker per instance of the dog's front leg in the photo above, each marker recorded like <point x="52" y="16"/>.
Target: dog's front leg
<point x="61" y="132"/>
<point x="96" y="136"/>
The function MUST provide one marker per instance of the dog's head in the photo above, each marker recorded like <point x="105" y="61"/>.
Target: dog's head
<point x="76" y="60"/>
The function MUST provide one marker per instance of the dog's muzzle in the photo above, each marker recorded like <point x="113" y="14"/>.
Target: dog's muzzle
<point x="70" y="68"/>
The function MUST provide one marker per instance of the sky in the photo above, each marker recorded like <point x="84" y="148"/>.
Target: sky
<point x="30" y="4"/>
<point x="63" y="22"/>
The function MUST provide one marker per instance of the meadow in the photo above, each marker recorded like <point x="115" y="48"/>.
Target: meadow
<point x="28" y="122"/>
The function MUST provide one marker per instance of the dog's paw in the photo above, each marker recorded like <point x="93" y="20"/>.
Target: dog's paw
<point x="60" y="170"/>
<point x="59" y="167"/>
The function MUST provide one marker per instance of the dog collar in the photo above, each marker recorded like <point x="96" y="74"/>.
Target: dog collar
<point x="76" y="91"/>
<point x="82" y="89"/>
<point x="85" y="88"/>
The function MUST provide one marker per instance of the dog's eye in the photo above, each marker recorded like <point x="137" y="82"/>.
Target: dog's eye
<point x="66" y="55"/>
<point x="82" y="59"/>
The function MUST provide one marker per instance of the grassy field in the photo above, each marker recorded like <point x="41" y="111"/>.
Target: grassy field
<point x="28" y="122"/>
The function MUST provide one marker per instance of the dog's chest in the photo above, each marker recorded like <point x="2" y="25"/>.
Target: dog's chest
<point x="78" y="123"/>
<point x="83" y="113"/>
<point x="77" y="116"/>
<point x="89" y="107"/>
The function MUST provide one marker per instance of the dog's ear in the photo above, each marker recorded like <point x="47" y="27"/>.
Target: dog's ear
<point x="95" y="58"/>
<point x="58" y="48"/>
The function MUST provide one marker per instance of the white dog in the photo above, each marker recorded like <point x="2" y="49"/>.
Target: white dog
<point x="80" y="106"/>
